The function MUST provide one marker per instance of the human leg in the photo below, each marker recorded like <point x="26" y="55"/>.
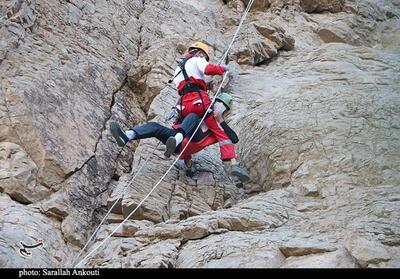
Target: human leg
<point x="153" y="129"/>
<point x="189" y="124"/>
<point x="227" y="149"/>
<point x="226" y="146"/>
<point x="186" y="129"/>
<point x="148" y="130"/>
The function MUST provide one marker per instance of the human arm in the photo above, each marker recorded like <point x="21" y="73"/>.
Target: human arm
<point x="219" y="109"/>
<point x="230" y="132"/>
<point x="209" y="69"/>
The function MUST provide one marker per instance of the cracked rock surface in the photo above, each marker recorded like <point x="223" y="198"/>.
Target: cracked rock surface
<point x="316" y="107"/>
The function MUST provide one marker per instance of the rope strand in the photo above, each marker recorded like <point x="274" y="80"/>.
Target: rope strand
<point x="114" y="204"/>
<point x="184" y="148"/>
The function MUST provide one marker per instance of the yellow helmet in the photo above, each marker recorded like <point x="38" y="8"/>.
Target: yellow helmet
<point x="202" y="46"/>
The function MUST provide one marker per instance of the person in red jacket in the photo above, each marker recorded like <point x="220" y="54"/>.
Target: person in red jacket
<point x="190" y="81"/>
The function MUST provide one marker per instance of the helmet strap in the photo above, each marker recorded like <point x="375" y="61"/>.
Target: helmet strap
<point x="193" y="51"/>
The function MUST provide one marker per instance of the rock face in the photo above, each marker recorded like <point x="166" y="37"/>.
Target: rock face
<point x="367" y="252"/>
<point x="332" y="113"/>
<point x="26" y="225"/>
<point x="317" y="6"/>
<point x="18" y="173"/>
<point x="316" y="107"/>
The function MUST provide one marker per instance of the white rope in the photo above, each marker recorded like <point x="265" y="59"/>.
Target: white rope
<point x="184" y="148"/>
<point x="112" y="207"/>
<point x="246" y="11"/>
<point x="155" y="186"/>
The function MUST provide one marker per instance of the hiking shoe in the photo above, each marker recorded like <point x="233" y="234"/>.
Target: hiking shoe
<point x="171" y="145"/>
<point x="240" y="173"/>
<point x="238" y="183"/>
<point x="188" y="167"/>
<point x="118" y="134"/>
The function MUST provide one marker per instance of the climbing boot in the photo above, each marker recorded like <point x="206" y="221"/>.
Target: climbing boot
<point x="237" y="182"/>
<point x="189" y="168"/>
<point x="240" y="173"/>
<point x="171" y="145"/>
<point x="118" y="134"/>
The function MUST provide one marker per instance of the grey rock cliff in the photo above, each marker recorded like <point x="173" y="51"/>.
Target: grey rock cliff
<point x="316" y="107"/>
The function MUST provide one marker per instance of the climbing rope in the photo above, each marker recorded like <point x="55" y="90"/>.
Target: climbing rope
<point x="184" y="148"/>
<point x="114" y="204"/>
<point x="246" y="11"/>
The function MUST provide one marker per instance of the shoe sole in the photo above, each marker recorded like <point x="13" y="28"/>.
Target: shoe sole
<point x="239" y="185"/>
<point x="171" y="145"/>
<point x="189" y="173"/>
<point x="116" y="132"/>
<point x="242" y="177"/>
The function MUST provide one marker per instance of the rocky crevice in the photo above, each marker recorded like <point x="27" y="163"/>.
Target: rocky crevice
<point x="106" y="120"/>
<point x="104" y="127"/>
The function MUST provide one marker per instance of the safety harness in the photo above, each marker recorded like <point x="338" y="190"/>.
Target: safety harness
<point x="189" y="86"/>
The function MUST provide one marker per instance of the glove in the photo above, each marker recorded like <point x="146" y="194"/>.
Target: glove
<point x="232" y="70"/>
<point x="173" y="114"/>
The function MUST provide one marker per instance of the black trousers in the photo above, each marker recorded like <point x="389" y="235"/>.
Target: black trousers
<point x="162" y="133"/>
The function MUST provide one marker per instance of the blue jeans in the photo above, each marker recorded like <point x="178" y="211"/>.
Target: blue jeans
<point x="162" y="133"/>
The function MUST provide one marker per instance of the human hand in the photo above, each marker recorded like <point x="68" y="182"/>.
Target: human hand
<point x="233" y="70"/>
<point x="173" y="114"/>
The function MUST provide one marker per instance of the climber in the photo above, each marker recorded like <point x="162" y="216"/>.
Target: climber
<point x="202" y="138"/>
<point x="190" y="81"/>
